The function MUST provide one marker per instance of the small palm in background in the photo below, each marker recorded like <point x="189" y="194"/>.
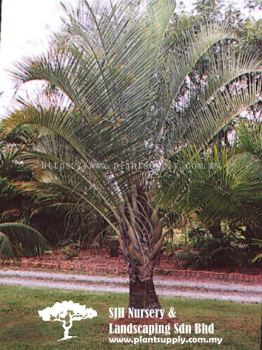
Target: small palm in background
<point x="225" y="190"/>
<point x="16" y="238"/>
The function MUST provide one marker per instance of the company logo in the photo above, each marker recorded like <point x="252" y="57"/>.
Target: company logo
<point x="66" y="312"/>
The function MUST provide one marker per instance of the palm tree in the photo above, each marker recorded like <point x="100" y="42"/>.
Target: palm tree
<point x="220" y="186"/>
<point x="121" y="97"/>
<point x="16" y="238"/>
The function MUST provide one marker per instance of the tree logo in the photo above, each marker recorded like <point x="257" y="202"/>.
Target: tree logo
<point x="66" y="312"/>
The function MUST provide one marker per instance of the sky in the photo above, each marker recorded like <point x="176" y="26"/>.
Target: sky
<point x="26" y="28"/>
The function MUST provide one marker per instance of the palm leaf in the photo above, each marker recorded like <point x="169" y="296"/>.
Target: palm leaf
<point x="217" y="188"/>
<point x="17" y="239"/>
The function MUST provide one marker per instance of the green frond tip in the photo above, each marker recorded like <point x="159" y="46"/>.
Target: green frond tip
<point x="17" y="239"/>
<point x="160" y="12"/>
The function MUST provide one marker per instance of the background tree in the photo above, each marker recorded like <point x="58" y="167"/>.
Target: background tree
<point x="254" y="4"/>
<point x="211" y="9"/>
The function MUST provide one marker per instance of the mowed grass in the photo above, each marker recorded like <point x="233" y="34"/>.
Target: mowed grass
<point x="22" y="329"/>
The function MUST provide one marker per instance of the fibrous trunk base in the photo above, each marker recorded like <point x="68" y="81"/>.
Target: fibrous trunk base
<point x="142" y="294"/>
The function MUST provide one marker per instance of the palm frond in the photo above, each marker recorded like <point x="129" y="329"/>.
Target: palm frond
<point x="209" y="118"/>
<point x="217" y="188"/>
<point x="17" y="239"/>
<point x="250" y="138"/>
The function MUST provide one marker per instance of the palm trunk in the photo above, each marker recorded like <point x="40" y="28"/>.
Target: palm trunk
<point x="141" y="242"/>
<point x="142" y="294"/>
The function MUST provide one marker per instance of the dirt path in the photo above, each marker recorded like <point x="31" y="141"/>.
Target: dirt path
<point x="165" y="286"/>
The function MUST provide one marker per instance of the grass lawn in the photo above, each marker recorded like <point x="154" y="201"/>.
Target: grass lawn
<point x="22" y="329"/>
